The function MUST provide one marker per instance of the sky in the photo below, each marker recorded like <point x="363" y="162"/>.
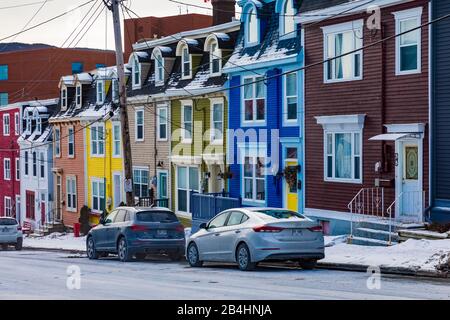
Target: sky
<point x="55" y="33"/>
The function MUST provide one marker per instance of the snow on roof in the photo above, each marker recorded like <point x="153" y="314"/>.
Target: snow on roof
<point x="222" y="36"/>
<point x="165" y="49"/>
<point x="84" y="77"/>
<point x="47" y="102"/>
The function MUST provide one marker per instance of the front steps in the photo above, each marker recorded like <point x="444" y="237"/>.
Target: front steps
<point x="49" y="228"/>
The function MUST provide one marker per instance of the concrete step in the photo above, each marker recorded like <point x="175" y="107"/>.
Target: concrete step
<point x="375" y="234"/>
<point x="369" y="242"/>
<point x="383" y="225"/>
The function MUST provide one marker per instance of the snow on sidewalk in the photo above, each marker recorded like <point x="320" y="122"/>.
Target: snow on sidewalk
<point x="61" y="241"/>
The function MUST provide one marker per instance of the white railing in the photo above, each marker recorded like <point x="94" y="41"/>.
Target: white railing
<point x="368" y="202"/>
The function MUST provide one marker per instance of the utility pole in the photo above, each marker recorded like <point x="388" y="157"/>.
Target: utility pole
<point x="113" y="5"/>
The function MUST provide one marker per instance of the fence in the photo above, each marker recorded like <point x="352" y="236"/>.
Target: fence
<point x="150" y="202"/>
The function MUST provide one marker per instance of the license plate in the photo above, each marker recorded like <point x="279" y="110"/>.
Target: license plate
<point x="297" y="233"/>
<point x="162" y="233"/>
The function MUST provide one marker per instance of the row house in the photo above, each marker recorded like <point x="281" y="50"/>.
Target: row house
<point x="88" y="163"/>
<point x="265" y="143"/>
<point x="178" y="113"/>
<point x="36" y="161"/>
<point x="10" y="130"/>
<point x="366" y="114"/>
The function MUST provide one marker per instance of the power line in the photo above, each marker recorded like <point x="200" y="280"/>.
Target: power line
<point x="25" y="4"/>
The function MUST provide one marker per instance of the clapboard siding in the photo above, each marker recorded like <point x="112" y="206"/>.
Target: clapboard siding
<point x="405" y="101"/>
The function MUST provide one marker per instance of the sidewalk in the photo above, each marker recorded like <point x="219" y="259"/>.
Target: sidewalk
<point x="430" y="258"/>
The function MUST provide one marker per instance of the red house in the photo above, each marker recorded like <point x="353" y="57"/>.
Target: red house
<point x="10" y="118"/>
<point x="366" y="113"/>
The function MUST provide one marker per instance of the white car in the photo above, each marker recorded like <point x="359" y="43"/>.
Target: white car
<point x="10" y="233"/>
<point x="250" y="235"/>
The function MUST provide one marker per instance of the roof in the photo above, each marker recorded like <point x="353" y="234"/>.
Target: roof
<point x="311" y="5"/>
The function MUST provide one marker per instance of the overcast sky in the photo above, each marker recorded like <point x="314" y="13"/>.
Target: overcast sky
<point x="55" y="33"/>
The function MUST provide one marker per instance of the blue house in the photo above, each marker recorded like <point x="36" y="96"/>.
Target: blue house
<point x="265" y="148"/>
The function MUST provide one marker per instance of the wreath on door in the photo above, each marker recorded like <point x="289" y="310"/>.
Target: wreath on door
<point x="290" y="174"/>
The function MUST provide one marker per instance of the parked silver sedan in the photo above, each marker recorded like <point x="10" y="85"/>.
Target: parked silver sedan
<point x="10" y="233"/>
<point x="251" y="235"/>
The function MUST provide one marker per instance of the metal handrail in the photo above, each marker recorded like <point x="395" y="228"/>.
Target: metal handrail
<point x="389" y="212"/>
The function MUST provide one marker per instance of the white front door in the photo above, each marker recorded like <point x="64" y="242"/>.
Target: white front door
<point x="117" y="185"/>
<point x="409" y="181"/>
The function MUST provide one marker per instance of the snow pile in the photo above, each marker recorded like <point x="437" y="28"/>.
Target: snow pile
<point x="64" y="241"/>
<point x="423" y="255"/>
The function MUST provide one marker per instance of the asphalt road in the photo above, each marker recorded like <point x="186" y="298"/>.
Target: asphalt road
<point x="44" y="275"/>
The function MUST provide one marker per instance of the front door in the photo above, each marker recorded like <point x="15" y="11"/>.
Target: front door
<point x="58" y="198"/>
<point x="410" y="193"/>
<point x="162" y="185"/>
<point x="117" y="185"/>
<point x="291" y="178"/>
<point x="43" y="212"/>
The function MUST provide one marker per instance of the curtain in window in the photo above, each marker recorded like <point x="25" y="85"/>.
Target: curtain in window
<point x="343" y="155"/>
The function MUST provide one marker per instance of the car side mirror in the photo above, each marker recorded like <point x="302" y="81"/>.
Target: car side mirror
<point x="202" y="225"/>
<point x="102" y="221"/>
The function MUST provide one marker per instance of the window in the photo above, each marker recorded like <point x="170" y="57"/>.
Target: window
<point x="38" y="124"/>
<point x="188" y="179"/>
<point x="4" y="72"/>
<point x="6" y="126"/>
<point x="116" y="140"/>
<point x="236" y="218"/>
<point x="254" y="180"/>
<point x="17" y="169"/>
<point x="186" y="64"/>
<point x="64" y="97"/>
<point x="100" y="92"/>
<point x="3" y="98"/>
<point x="71" y="185"/>
<point x="159" y="68"/>
<point x="42" y="165"/>
<point x="136" y="73"/>
<point x="77" y="67"/>
<point x="78" y="94"/>
<point x="98" y="195"/>
<point x="70" y="142"/>
<point x="28" y="119"/>
<point x="215" y="58"/>
<point x="186" y="122"/>
<point x="162" y="123"/>
<point x="26" y="163"/>
<point x="34" y="164"/>
<point x="57" y="142"/>
<point x="339" y="40"/>
<point x="17" y="205"/>
<point x="408" y="46"/>
<point x="100" y="66"/>
<point x="290" y="102"/>
<point x="287" y="24"/>
<point x="115" y="90"/>
<point x="8" y="207"/>
<point x="254" y="99"/>
<point x="252" y="27"/>
<point x="217" y="121"/>
<point x="97" y="140"/>
<point x="218" y="221"/>
<point x="7" y="169"/>
<point x="140" y="182"/>
<point x="16" y="123"/>
<point x="139" y="121"/>
<point x="343" y="156"/>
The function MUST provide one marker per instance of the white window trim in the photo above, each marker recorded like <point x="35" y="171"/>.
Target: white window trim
<point x="213" y="102"/>
<point x="136" y="111"/>
<point x="5" y="160"/>
<point x="133" y="70"/>
<point x="415" y="13"/>
<point x="17" y="124"/>
<point x="100" y="101"/>
<point x="290" y="122"/>
<point x="115" y="153"/>
<point x="217" y="55"/>
<point x="99" y="181"/>
<point x="68" y="141"/>
<point x="158" y="81"/>
<point x="188" y="190"/>
<point x="26" y="164"/>
<point x="158" y="122"/>
<point x="282" y="22"/>
<point x="17" y="171"/>
<point x="252" y="12"/>
<point x="251" y="154"/>
<point x="255" y="107"/>
<point x="9" y="207"/>
<point x="18" y="211"/>
<point x="142" y="168"/>
<point x="70" y="178"/>
<point x="98" y="155"/>
<point x="42" y="165"/>
<point x="356" y="25"/>
<point x="6" y="129"/>
<point x="115" y="94"/>
<point x="64" y="98"/>
<point x="58" y="143"/>
<point x="183" y="76"/>
<point x="34" y="173"/>
<point x="38" y="123"/>
<point x="187" y="103"/>
<point x="79" y="85"/>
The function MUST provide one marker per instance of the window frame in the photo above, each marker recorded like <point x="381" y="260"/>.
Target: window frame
<point x="42" y="165"/>
<point x="283" y="20"/>
<point x="215" y="55"/>
<point x="34" y="164"/>
<point x="17" y="123"/>
<point x="2" y="95"/>
<point x="253" y="179"/>
<point x="249" y="39"/>
<point x="159" y="122"/>
<point x="99" y="196"/>
<point x="78" y="95"/>
<point x="97" y="141"/>
<point x="142" y="185"/>
<point x="115" y="90"/>
<point x="7" y="208"/>
<point x="290" y="122"/>
<point x="70" y="192"/>
<point x="7" y="169"/>
<point x="117" y="153"/>
<point x="100" y="94"/>
<point x="2" y="67"/>
<point x="159" y="69"/>
<point x="17" y="174"/>
<point x="64" y="97"/>
<point x="136" y="72"/>
<point x="185" y="104"/>
<point x="57" y="147"/>
<point x="26" y="164"/>
<point x="184" y="48"/>
<point x="245" y="122"/>
<point x="212" y="139"/>
<point x="6" y="126"/>
<point x="136" y="125"/>
<point x="70" y="141"/>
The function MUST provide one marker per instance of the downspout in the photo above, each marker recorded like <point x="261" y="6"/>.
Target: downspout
<point x="383" y="96"/>
<point x="431" y="82"/>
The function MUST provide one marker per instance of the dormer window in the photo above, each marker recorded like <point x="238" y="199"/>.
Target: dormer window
<point x="186" y="62"/>
<point x="215" y="57"/>
<point x="38" y="124"/>
<point x="252" y="27"/>
<point x="115" y="90"/>
<point x="78" y="93"/>
<point x="64" y="97"/>
<point x="28" y="123"/>
<point x="100" y="92"/>
<point x="287" y="22"/>
<point x="159" y="68"/>
<point x="136" y="73"/>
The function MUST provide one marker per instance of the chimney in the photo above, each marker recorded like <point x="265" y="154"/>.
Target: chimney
<point x="223" y="11"/>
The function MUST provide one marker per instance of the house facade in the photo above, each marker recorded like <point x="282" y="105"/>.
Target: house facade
<point x="366" y="114"/>
<point x="36" y="162"/>
<point x="10" y="200"/>
<point x="440" y="101"/>
<point x="265" y="138"/>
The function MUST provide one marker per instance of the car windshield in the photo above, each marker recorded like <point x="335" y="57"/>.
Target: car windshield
<point x="156" y="216"/>
<point x="7" y="222"/>
<point x="281" y="214"/>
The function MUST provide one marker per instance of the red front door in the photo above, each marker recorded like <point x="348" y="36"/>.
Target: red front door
<point x="30" y="204"/>
<point x="42" y="212"/>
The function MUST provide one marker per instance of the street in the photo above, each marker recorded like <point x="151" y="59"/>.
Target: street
<point x="44" y="275"/>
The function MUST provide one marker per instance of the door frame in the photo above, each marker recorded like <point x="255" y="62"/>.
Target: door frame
<point x="158" y="173"/>
<point x="292" y="143"/>
<point x="121" y="190"/>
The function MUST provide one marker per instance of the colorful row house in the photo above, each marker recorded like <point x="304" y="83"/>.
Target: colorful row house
<point x="178" y="113"/>
<point x="265" y="116"/>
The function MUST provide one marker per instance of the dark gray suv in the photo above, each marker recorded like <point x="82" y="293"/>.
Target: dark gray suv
<point x="135" y="232"/>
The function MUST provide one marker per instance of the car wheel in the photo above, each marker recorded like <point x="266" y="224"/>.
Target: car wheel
<point x="175" y="256"/>
<point x="19" y="244"/>
<point x="4" y="247"/>
<point x="308" y="264"/>
<point x="244" y="259"/>
<point x="123" y="251"/>
<point x="141" y="256"/>
<point x="90" y="249"/>
<point x="193" y="256"/>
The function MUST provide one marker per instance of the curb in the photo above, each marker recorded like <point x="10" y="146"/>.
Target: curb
<point x="73" y="251"/>
<point x="384" y="270"/>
